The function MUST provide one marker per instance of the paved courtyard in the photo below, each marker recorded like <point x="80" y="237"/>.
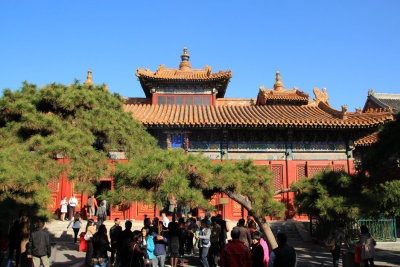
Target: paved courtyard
<point x="65" y="252"/>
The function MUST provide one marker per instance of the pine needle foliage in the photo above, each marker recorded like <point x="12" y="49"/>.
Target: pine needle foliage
<point x="382" y="160"/>
<point x="329" y="196"/>
<point x="192" y="180"/>
<point x="81" y="123"/>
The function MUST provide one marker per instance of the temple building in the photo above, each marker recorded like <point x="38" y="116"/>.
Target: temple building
<point x="285" y="129"/>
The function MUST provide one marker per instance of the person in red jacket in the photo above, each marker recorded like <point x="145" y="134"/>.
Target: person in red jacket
<point x="235" y="253"/>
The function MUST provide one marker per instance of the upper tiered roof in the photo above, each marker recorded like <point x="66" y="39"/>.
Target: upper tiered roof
<point x="273" y="108"/>
<point x="184" y="75"/>
<point x="279" y="95"/>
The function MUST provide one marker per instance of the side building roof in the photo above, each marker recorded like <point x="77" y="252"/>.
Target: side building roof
<point x="253" y="116"/>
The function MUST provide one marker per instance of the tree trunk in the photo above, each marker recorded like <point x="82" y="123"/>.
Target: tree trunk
<point x="266" y="230"/>
<point x="262" y="223"/>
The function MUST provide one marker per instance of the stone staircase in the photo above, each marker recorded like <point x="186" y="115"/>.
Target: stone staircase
<point x="291" y="229"/>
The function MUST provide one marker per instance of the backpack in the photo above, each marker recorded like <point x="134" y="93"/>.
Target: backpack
<point x="330" y="241"/>
<point x="90" y="202"/>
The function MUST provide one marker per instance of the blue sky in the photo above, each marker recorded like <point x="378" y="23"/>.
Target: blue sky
<point x="345" y="46"/>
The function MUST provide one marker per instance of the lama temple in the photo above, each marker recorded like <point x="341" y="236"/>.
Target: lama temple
<point x="294" y="134"/>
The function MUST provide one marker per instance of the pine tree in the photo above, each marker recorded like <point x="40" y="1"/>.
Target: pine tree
<point x="79" y="122"/>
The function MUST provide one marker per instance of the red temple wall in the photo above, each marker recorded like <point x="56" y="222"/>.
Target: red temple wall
<point x="285" y="172"/>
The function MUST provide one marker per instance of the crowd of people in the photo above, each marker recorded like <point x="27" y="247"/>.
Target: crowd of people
<point x="163" y="240"/>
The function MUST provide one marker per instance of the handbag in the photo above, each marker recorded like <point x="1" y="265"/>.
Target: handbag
<point x="357" y="255"/>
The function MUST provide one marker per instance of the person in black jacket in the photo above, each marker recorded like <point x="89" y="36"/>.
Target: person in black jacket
<point x="284" y="255"/>
<point x="257" y="251"/>
<point x="125" y="238"/>
<point x="39" y="248"/>
<point x="100" y="247"/>
<point x="115" y="230"/>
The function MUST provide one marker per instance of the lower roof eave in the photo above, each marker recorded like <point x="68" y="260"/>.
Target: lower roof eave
<point x="260" y="126"/>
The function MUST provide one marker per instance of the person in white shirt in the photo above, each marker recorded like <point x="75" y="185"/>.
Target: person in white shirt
<point x="64" y="208"/>
<point x="165" y="220"/>
<point x="73" y="202"/>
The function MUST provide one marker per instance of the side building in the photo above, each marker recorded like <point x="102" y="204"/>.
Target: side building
<point x="285" y="129"/>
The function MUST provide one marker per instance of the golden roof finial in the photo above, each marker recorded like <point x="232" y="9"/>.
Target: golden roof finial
<point x="185" y="64"/>
<point x="89" y="78"/>
<point x="278" y="85"/>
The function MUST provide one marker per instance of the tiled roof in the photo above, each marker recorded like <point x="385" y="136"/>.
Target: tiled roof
<point x="266" y="116"/>
<point x="266" y="96"/>
<point x="367" y="140"/>
<point x="236" y="101"/>
<point x="177" y="74"/>
<point x="382" y="100"/>
<point x="388" y="100"/>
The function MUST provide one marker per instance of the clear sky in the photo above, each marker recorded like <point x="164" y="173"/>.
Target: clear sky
<point x="345" y="46"/>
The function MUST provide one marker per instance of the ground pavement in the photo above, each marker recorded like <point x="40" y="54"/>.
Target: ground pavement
<point x="65" y="252"/>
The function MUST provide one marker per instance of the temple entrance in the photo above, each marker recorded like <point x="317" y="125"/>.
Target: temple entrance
<point x="101" y="188"/>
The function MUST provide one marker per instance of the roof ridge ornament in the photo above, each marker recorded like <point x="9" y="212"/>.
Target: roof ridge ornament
<point x="371" y="92"/>
<point x="185" y="64"/>
<point x="321" y="96"/>
<point x="278" y="86"/>
<point x="89" y="78"/>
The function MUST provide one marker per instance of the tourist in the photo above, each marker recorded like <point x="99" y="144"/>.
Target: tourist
<point x="101" y="214"/>
<point x="115" y="230"/>
<point x="15" y="239"/>
<point x="165" y="219"/>
<point x="147" y="223"/>
<point x="338" y="241"/>
<point x="244" y="233"/>
<point x="182" y="237"/>
<point x="235" y="253"/>
<point x="257" y="251"/>
<point x="224" y="230"/>
<point x="154" y="226"/>
<point x="173" y="241"/>
<point x="136" y="254"/>
<point x="100" y="247"/>
<point x="284" y="255"/>
<point x="90" y="231"/>
<point x="160" y="246"/>
<point x="367" y="244"/>
<point x="204" y="241"/>
<point x="92" y="206"/>
<point x="146" y="242"/>
<point x="73" y="202"/>
<point x="252" y="227"/>
<point x="215" y="249"/>
<point x="64" y="208"/>
<point x="192" y="228"/>
<point x="24" y="236"/>
<point x="77" y="222"/>
<point x="123" y="244"/>
<point x="39" y="248"/>
<point x="264" y="245"/>
<point x="3" y="247"/>
<point x="172" y="206"/>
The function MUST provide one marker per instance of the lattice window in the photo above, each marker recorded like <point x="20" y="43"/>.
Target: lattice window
<point x="313" y="170"/>
<point x="339" y="168"/>
<point x="177" y="140"/>
<point x="277" y="174"/>
<point x="301" y="171"/>
<point x="53" y="185"/>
